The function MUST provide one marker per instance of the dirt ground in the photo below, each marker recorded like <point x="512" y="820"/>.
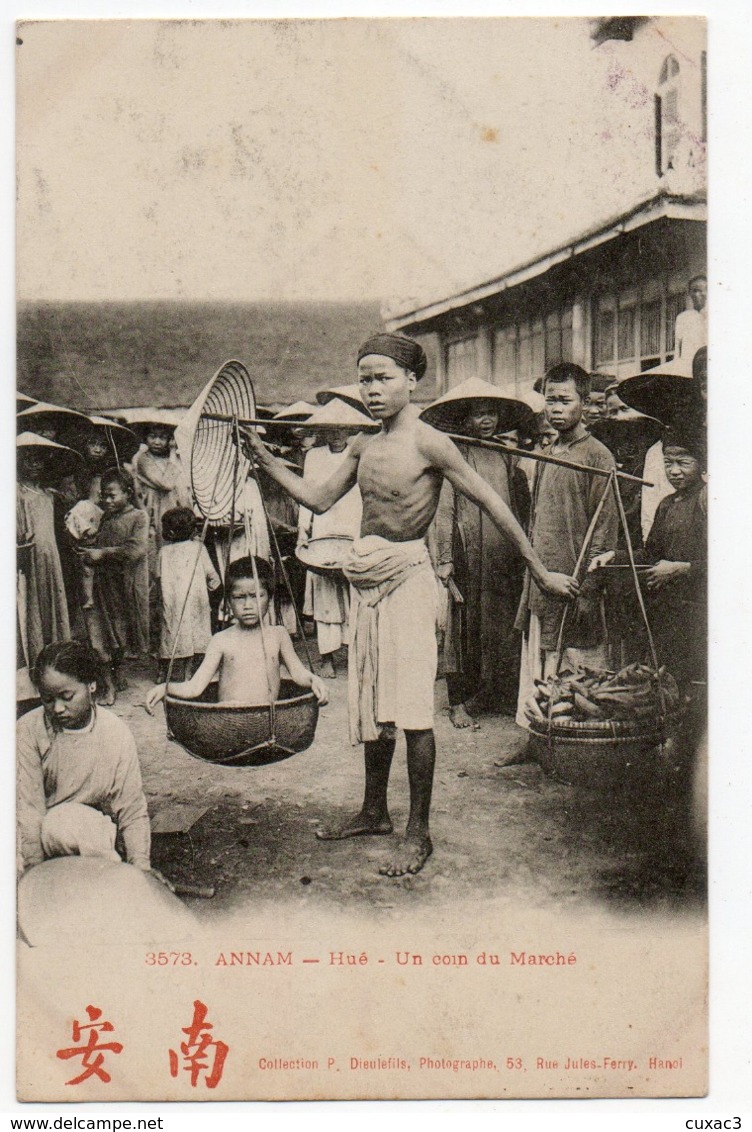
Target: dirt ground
<point x="501" y="832"/>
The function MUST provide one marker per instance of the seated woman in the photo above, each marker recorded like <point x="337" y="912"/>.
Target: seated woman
<point x="79" y="780"/>
<point x="247" y="656"/>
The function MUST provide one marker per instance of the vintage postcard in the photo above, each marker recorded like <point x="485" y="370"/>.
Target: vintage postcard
<point x="361" y="588"/>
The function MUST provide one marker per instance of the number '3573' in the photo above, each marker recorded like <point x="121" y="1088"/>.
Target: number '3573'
<point x="169" y="959"/>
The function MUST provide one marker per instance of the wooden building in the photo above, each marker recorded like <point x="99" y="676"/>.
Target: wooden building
<point x="608" y="297"/>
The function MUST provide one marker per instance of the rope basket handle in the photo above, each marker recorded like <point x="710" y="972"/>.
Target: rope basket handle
<point x="282" y="569"/>
<point x="641" y="603"/>
<point x="252" y="556"/>
<point x="202" y="543"/>
<point x="577" y="572"/>
<point x="612" y="484"/>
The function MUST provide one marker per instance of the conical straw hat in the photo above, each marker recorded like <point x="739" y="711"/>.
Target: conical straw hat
<point x="666" y="396"/>
<point x="339" y="414"/>
<point x="616" y="432"/>
<point x="31" y="440"/>
<point x="45" y="410"/>
<point x="449" y="412"/>
<point x="141" y="420"/>
<point x="298" y="411"/>
<point x="207" y="446"/>
<point x="122" y="440"/>
<point x="350" y="394"/>
<point x="64" y="458"/>
<point x="534" y="401"/>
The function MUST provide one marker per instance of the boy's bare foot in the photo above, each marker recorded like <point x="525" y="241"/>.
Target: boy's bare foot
<point x="362" y="825"/>
<point x="461" y="718"/>
<point x="327" y="668"/>
<point x="412" y="854"/>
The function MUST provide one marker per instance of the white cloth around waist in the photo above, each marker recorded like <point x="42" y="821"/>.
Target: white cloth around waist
<point x="405" y="634"/>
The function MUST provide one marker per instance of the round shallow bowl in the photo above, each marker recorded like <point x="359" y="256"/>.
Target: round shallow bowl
<point x="322" y="555"/>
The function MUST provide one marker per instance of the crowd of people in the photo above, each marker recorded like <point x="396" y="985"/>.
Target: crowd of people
<point x="479" y="539"/>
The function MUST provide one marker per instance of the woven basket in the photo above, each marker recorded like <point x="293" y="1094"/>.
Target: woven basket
<point x="600" y="753"/>
<point x="233" y="735"/>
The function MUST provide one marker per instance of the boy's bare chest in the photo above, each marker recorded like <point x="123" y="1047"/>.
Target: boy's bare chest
<point x="248" y="649"/>
<point x="392" y="469"/>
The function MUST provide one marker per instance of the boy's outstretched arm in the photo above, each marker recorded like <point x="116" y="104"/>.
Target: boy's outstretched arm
<point x="189" y="689"/>
<point x="298" y="672"/>
<point x="445" y="456"/>
<point x="316" y="497"/>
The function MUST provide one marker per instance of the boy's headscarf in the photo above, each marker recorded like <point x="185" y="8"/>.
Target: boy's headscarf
<point x="689" y="435"/>
<point x="404" y="351"/>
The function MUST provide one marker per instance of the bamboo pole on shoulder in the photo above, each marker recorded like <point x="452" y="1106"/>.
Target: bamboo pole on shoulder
<point x="542" y="458"/>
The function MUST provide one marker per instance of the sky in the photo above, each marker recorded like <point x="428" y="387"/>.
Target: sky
<point x="396" y="160"/>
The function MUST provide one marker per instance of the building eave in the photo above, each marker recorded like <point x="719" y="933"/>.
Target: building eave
<point x="662" y="206"/>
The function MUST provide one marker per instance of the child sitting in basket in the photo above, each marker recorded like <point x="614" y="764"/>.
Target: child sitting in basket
<point x="240" y="654"/>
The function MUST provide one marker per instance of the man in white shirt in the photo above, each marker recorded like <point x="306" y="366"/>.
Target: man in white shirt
<point x="691" y="327"/>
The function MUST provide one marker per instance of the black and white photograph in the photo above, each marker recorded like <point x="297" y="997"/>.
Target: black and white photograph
<point x="362" y="558"/>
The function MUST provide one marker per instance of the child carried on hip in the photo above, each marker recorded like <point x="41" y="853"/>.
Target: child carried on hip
<point x="82" y="523"/>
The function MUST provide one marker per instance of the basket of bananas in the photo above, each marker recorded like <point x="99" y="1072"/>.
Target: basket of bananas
<point x="593" y="726"/>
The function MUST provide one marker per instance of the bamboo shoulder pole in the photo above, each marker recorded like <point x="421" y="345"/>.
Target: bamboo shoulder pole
<point x="543" y="459"/>
<point x="256" y="422"/>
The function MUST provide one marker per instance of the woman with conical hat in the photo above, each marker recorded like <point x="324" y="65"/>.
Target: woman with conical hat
<point x="53" y="422"/>
<point x="481" y="646"/>
<point x="43" y="607"/>
<point x="103" y="444"/>
<point x="292" y="442"/>
<point x="670" y="394"/>
<point x="327" y="596"/>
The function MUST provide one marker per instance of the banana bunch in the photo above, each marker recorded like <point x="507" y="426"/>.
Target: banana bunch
<point x="587" y="694"/>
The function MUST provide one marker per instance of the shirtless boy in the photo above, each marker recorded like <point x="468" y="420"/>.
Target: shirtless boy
<point x="239" y="653"/>
<point x="392" y="663"/>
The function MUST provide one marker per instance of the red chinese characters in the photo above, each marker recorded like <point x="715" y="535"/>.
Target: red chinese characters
<point x="197" y="1050"/>
<point x="92" y="1052"/>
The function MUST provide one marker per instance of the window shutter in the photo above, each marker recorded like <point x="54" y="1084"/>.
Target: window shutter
<point x="626" y="334"/>
<point x="650" y="329"/>
<point x="604" y="335"/>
